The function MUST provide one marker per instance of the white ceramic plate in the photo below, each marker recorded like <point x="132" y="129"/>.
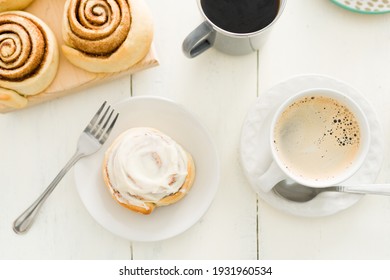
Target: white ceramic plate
<point x="164" y="222"/>
<point x="255" y="152"/>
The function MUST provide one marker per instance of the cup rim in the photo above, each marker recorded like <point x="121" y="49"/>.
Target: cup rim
<point x="248" y="34"/>
<point x="365" y="139"/>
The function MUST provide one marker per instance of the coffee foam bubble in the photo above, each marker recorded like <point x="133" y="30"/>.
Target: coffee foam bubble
<point x="317" y="137"/>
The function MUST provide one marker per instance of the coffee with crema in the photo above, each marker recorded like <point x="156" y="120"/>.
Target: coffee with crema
<point x="317" y="137"/>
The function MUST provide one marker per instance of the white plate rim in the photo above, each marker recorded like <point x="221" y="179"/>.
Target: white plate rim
<point x="195" y="215"/>
<point x="258" y="116"/>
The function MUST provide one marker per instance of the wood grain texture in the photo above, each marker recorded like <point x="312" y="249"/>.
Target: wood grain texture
<point x="311" y="37"/>
<point x="218" y="89"/>
<point x="326" y="39"/>
<point x="69" y="78"/>
<point x="63" y="229"/>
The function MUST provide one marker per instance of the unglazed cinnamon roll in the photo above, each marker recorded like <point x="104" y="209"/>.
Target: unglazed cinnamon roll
<point x="106" y="35"/>
<point x="28" y="57"/>
<point x="145" y="168"/>
<point x="8" y="5"/>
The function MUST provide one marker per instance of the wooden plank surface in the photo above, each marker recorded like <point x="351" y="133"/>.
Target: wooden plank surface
<point x="320" y="37"/>
<point x="69" y="78"/>
<point x="311" y="37"/>
<point x="36" y="144"/>
<point x="218" y="89"/>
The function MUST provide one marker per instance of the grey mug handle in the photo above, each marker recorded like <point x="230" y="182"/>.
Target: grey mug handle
<point x="199" y="40"/>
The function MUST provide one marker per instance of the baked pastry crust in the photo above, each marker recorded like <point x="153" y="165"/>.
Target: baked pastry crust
<point x="106" y="39"/>
<point x="8" y="5"/>
<point x="147" y="207"/>
<point x="28" y="57"/>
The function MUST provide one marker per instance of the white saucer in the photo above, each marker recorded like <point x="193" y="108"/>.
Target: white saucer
<point x="164" y="222"/>
<point x="256" y="156"/>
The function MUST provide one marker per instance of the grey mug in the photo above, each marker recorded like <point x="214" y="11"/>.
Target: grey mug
<point x="208" y="35"/>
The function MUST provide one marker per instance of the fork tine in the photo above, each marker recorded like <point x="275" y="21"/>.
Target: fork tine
<point x="96" y="128"/>
<point x="95" y="117"/>
<point x="108" y="131"/>
<point x="86" y="145"/>
<point x="101" y="130"/>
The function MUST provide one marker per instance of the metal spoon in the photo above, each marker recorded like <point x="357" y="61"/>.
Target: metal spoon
<point x="299" y="193"/>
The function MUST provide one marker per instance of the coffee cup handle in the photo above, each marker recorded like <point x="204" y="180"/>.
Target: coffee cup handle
<point x="270" y="178"/>
<point x="199" y="40"/>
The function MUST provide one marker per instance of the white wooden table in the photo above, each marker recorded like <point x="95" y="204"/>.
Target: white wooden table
<point x="311" y="37"/>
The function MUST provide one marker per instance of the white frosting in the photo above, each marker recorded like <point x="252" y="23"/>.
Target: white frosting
<point x="145" y="165"/>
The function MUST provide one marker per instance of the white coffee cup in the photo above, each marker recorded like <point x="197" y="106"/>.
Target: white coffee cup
<point x="319" y="137"/>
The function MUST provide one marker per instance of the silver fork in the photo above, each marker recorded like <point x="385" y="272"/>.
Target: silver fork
<point x="90" y="141"/>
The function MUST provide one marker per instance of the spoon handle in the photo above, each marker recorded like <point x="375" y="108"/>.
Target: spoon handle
<point x="381" y="189"/>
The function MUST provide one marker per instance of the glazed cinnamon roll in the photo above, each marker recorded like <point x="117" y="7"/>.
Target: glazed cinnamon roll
<point x="145" y="168"/>
<point x="106" y="35"/>
<point x="8" y="5"/>
<point x="28" y="57"/>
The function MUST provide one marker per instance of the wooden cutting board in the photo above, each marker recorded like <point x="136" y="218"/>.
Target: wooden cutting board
<point x="71" y="79"/>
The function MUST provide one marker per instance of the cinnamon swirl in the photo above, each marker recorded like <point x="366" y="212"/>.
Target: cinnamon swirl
<point x="145" y="168"/>
<point x="28" y="57"/>
<point x="8" y="5"/>
<point x="106" y="35"/>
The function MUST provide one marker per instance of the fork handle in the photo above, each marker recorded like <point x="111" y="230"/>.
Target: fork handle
<point x="23" y="223"/>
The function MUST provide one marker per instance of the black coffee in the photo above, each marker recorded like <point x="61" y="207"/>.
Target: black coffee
<point x="241" y="16"/>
